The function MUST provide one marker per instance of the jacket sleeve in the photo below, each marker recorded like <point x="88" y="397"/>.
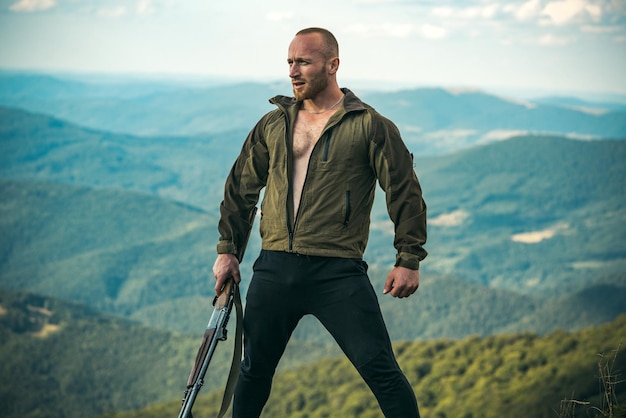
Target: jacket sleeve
<point x="393" y="165"/>
<point x="241" y="192"/>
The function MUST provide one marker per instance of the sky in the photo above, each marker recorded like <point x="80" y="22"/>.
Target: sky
<point x="563" y="46"/>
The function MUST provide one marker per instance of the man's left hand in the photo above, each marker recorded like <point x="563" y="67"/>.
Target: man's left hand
<point x="402" y="282"/>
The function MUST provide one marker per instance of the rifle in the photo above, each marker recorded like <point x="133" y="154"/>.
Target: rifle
<point x="216" y="331"/>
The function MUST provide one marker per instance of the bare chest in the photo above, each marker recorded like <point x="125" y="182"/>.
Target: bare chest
<point x="307" y="131"/>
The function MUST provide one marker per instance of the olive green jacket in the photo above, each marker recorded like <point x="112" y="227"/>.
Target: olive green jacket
<point x="357" y="147"/>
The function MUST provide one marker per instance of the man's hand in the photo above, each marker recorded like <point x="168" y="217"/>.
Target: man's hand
<point x="226" y="265"/>
<point x="402" y="282"/>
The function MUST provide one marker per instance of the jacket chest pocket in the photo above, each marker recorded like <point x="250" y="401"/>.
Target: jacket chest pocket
<point x="326" y="146"/>
<point x="338" y="151"/>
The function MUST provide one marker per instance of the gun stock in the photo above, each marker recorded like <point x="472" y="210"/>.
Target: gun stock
<point x="215" y="330"/>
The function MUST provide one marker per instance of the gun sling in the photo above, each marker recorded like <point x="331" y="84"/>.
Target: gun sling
<point x="235" y="365"/>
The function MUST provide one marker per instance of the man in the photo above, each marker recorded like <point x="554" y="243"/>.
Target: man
<point x="319" y="155"/>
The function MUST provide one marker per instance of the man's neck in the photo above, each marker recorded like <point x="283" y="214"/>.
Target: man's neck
<point x="325" y="101"/>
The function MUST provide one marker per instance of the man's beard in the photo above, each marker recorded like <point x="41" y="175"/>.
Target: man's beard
<point x="312" y="87"/>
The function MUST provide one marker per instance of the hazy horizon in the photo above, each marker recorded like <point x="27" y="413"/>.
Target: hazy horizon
<point x="525" y="45"/>
<point x="372" y="85"/>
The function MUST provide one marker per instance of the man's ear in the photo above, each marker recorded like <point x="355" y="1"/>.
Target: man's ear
<point x="333" y="65"/>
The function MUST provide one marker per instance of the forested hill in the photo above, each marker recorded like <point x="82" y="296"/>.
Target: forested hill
<point x="65" y="360"/>
<point x="189" y="169"/>
<point x="149" y="259"/>
<point x="528" y="214"/>
<point x="71" y="361"/>
<point x="513" y="376"/>
<point x="534" y="214"/>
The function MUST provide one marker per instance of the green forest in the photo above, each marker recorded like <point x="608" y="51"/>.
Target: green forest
<point x="510" y="375"/>
<point x="71" y="361"/>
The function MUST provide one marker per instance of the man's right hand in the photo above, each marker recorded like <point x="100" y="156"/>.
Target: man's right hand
<point x="226" y="265"/>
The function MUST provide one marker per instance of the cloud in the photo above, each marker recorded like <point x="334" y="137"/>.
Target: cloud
<point x="145" y="7"/>
<point x="489" y="11"/>
<point x="32" y="5"/>
<point x="558" y="12"/>
<point x="551" y="40"/>
<point x="563" y="12"/>
<point x="113" y="12"/>
<point x="398" y="30"/>
<point x="544" y="23"/>
<point x="121" y="9"/>
<point x="536" y="237"/>
<point x="529" y="10"/>
<point x="433" y="32"/>
<point x="486" y="11"/>
<point x="455" y="218"/>
<point x="276" y="16"/>
<point x="388" y="30"/>
<point x="401" y="30"/>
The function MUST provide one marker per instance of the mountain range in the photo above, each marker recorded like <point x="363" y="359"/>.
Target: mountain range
<point x="109" y="195"/>
<point x="511" y="214"/>
<point x="432" y="120"/>
<point x="149" y="259"/>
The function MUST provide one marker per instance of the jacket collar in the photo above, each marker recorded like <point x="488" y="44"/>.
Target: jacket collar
<point x="290" y="105"/>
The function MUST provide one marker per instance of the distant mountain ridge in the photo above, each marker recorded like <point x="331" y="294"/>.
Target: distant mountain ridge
<point x="146" y="108"/>
<point x="580" y="104"/>
<point x="434" y="120"/>
<point x="495" y="211"/>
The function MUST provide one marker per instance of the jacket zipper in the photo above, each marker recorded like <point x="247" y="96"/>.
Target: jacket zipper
<point x="292" y="228"/>
<point x="288" y="158"/>
<point x="292" y="231"/>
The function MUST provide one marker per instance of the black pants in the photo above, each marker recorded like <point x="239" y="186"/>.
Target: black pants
<point x="337" y="291"/>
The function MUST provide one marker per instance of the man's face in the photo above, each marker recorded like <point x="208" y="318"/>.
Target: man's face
<point x="307" y="66"/>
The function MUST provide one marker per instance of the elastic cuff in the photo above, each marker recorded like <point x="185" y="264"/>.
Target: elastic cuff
<point x="410" y="261"/>
<point x="226" y="247"/>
